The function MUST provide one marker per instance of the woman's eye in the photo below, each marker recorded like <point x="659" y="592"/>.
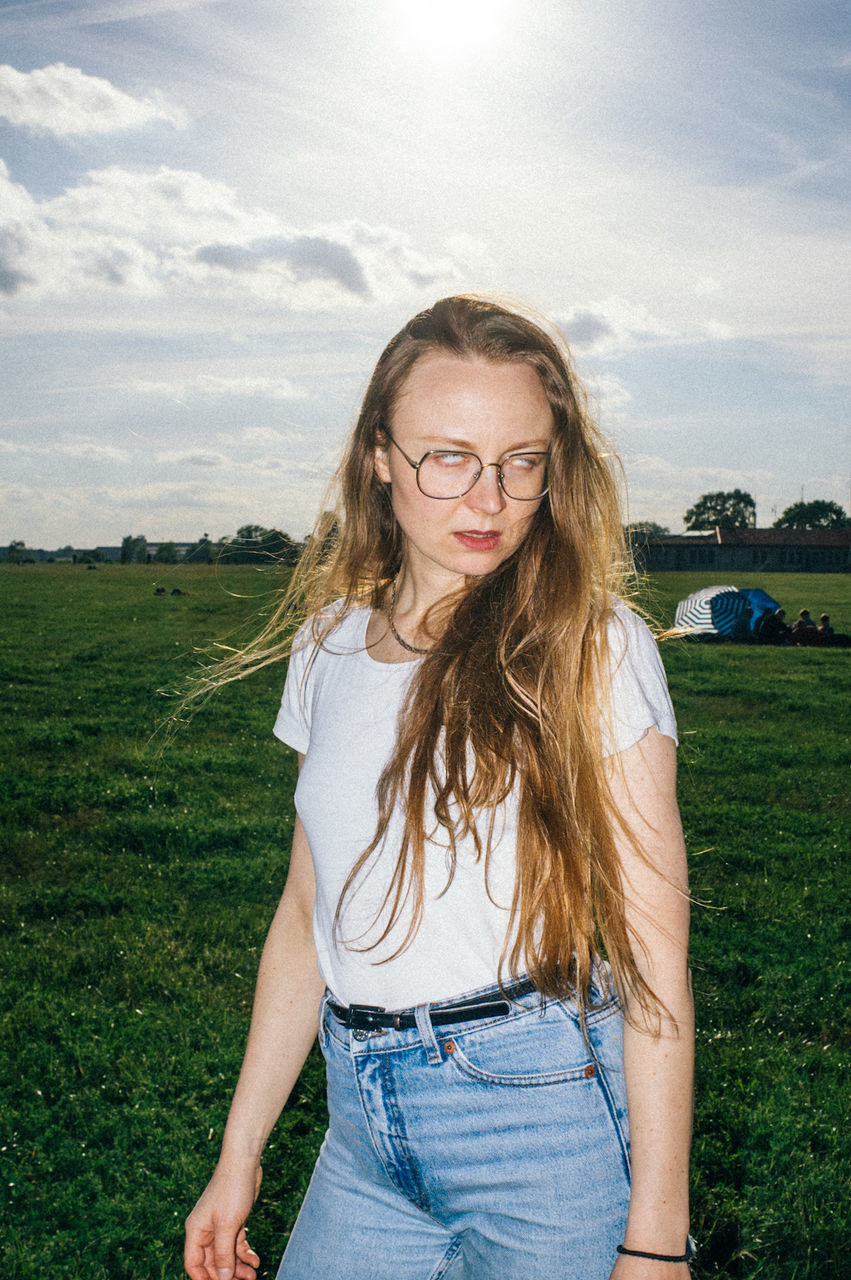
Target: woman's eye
<point x="523" y="462"/>
<point x="450" y="459"/>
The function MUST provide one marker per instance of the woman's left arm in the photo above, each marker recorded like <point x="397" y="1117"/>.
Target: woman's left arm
<point x="658" y="1052"/>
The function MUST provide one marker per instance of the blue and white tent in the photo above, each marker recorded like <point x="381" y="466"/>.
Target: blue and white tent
<point x="711" y="611"/>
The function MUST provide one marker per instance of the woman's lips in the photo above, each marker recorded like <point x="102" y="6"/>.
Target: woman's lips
<point x="485" y="541"/>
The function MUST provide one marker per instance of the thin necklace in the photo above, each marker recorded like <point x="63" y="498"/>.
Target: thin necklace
<point x="410" y="647"/>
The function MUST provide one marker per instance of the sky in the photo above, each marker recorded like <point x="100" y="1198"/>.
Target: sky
<point x="215" y="213"/>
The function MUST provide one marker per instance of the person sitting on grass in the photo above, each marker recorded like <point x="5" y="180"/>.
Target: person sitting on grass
<point x="772" y="628"/>
<point x="804" y="630"/>
<point x="836" y="639"/>
<point x="764" y="626"/>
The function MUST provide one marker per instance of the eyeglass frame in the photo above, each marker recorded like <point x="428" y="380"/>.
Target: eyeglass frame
<point x="483" y="466"/>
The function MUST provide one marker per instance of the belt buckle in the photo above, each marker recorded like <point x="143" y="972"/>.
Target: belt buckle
<point x="365" y="1018"/>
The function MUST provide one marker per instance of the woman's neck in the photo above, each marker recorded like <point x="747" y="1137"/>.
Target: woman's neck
<point x="400" y="633"/>
<point x="420" y="586"/>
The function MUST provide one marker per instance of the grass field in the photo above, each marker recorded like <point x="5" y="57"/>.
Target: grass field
<point x="138" y="884"/>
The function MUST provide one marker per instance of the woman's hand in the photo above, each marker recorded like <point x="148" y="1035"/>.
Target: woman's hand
<point x="216" y="1246"/>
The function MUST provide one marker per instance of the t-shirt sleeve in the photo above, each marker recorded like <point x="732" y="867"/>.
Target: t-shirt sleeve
<point x="638" y="693"/>
<point x="292" y="723"/>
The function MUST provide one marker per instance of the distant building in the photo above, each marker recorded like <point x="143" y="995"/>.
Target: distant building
<point x="153" y="547"/>
<point x="65" y="555"/>
<point x="750" y="551"/>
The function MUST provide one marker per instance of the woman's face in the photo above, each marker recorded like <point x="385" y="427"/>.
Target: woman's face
<point x="488" y="409"/>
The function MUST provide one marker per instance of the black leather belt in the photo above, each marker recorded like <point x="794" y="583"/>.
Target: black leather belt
<point x="370" y="1017"/>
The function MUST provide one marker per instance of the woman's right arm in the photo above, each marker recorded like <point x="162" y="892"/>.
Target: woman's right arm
<point x="283" y="1028"/>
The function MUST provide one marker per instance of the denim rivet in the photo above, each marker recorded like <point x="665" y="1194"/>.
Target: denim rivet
<point x="590" y="1071"/>
<point x="449" y="1046"/>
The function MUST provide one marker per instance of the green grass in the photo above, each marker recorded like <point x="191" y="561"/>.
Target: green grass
<point x="138" y="884"/>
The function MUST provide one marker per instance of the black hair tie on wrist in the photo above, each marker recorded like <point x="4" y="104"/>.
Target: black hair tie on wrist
<point x="655" y="1257"/>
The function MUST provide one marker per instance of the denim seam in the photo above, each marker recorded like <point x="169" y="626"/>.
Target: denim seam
<point x="606" y="1011"/>
<point x="447" y="1259"/>
<point x="404" y="1174"/>
<point x="605" y="1088"/>
<point x="593" y="1016"/>
<point x="367" y="1120"/>
<point x="399" y="1137"/>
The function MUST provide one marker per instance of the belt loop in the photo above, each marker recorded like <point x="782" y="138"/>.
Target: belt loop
<point x="323" y="1005"/>
<point x="426" y="1030"/>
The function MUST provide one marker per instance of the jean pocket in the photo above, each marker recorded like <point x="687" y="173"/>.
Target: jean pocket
<point x="531" y="1050"/>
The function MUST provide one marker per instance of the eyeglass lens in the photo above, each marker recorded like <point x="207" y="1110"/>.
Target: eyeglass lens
<point x="450" y="475"/>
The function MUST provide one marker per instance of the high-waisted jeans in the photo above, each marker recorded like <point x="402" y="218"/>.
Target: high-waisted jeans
<point x="489" y="1150"/>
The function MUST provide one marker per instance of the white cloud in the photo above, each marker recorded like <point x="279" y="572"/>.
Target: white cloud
<point x="85" y="514"/>
<point x="472" y="253"/>
<point x="183" y="458"/>
<point x="332" y="263"/>
<point x="262" y="437"/>
<point x="610" y="393"/>
<point x="67" y="102"/>
<point x="214" y="385"/>
<point x="706" y="287"/>
<point x="317" y="467"/>
<point x="89" y="451"/>
<point x="82" y="448"/>
<point x="700" y="479"/>
<point x="174" y="231"/>
<point x="602" y="328"/>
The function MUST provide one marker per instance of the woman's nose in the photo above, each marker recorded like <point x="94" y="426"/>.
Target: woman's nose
<point x="486" y="494"/>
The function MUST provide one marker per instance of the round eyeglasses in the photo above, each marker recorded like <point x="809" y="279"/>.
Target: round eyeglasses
<point x="450" y="473"/>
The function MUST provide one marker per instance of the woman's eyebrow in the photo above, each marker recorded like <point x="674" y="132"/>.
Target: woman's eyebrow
<point x="535" y="444"/>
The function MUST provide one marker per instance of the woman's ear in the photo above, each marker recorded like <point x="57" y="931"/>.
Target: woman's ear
<point x="382" y="469"/>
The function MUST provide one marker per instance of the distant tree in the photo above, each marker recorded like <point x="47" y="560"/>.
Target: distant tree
<point x="327" y="531"/>
<point x="278" y="547"/>
<point x="16" y="551"/>
<point x="644" y="530"/>
<point x="818" y="514"/>
<point x="726" y="510"/>
<point x="167" y="553"/>
<point x="253" y="543"/>
<point x="134" y="550"/>
<point x="92" y="556"/>
<point x="251" y="533"/>
<point x="201" y="552"/>
<point x="248" y="544"/>
<point x="289" y="550"/>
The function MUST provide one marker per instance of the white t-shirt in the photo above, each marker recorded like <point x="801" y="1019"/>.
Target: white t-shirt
<point x="340" y="709"/>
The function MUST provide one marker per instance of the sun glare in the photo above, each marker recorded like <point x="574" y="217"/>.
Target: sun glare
<point x="449" y="30"/>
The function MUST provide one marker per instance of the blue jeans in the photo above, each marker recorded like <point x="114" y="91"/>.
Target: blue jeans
<point x="489" y="1150"/>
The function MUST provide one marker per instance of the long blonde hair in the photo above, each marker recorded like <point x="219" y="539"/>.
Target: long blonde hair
<point x="512" y="693"/>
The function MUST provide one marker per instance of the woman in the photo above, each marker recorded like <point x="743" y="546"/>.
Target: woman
<point x="486" y="808"/>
